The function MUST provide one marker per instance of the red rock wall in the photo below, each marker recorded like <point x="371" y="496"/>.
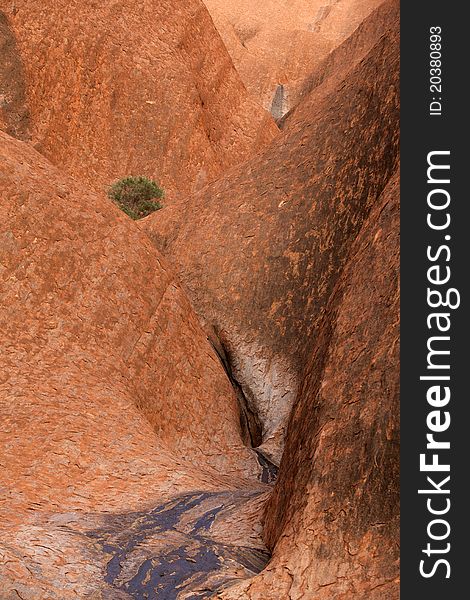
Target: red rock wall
<point x="122" y="464"/>
<point x="333" y="518"/>
<point x="336" y="67"/>
<point x="260" y="250"/>
<point x="111" y="397"/>
<point x="276" y="42"/>
<point x="90" y="294"/>
<point x="130" y="88"/>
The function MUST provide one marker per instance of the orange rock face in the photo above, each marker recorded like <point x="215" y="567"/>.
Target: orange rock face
<point x="275" y="45"/>
<point x="117" y="89"/>
<point x="343" y="60"/>
<point x="156" y="377"/>
<point x="111" y="397"/>
<point x="333" y="518"/>
<point x="260" y="250"/>
<point x="14" y="113"/>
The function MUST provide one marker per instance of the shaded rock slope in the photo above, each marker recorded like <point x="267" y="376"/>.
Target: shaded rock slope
<point x="260" y="250"/>
<point x="126" y="88"/>
<point x="333" y="517"/>
<point x="14" y="111"/>
<point x="275" y="44"/>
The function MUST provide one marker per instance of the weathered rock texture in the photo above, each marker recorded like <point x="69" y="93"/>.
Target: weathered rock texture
<point x="333" y="518"/>
<point x="111" y="398"/>
<point x="336" y="67"/>
<point x="132" y="385"/>
<point x="14" y="113"/>
<point x="260" y="250"/>
<point x="275" y="42"/>
<point x="126" y="88"/>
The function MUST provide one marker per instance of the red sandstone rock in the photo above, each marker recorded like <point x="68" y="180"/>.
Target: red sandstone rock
<point x="276" y="43"/>
<point x="14" y="113"/>
<point x="127" y="88"/>
<point x="260" y="250"/>
<point x="333" y="518"/>
<point x="342" y="61"/>
<point x="121" y="461"/>
<point x="111" y="398"/>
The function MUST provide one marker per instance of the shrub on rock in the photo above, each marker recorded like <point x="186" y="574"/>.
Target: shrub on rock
<point x="136" y="196"/>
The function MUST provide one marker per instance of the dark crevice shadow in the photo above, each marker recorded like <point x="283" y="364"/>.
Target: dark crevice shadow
<point x="251" y="427"/>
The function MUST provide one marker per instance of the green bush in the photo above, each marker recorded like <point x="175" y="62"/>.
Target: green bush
<point x="136" y="196"/>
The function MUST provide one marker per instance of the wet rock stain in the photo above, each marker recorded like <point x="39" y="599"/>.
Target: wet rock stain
<point x="269" y="471"/>
<point x="184" y="567"/>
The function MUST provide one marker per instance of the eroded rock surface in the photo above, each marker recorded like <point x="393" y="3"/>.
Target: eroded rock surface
<point x="14" y="111"/>
<point x="260" y="250"/>
<point x="276" y="45"/>
<point x="119" y="88"/>
<point x="144" y="399"/>
<point x="343" y="60"/>
<point x="333" y="518"/>
<point x="172" y="551"/>
<point x="111" y="398"/>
